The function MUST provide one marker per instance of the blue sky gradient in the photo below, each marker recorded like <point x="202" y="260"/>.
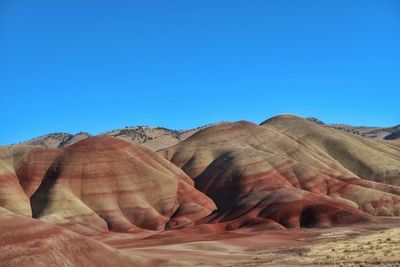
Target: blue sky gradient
<point x="69" y="66"/>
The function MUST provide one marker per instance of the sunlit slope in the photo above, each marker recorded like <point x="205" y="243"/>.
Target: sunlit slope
<point x="367" y="158"/>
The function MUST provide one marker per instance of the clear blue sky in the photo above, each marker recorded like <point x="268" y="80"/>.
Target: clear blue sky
<point x="98" y="65"/>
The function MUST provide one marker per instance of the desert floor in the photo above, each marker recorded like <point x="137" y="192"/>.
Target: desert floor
<point x="359" y="245"/>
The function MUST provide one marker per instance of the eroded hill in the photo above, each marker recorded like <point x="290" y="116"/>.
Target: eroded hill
<point x="291" y="171"/>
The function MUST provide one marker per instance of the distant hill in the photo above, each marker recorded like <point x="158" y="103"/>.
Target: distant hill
<point x="56" y="139"/>
<point x="157" y="138"/>
<point x="154" y="138"/>
<point x="386" y="133"/>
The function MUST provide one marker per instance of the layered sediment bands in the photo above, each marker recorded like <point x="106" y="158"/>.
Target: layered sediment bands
<point x="99" y="184"/>
<point x="12" y="196"/>
<point x="33" y="166"/>
<point x="369" y="159"/>
<point x="291" y="171"/>
<point x="28" y="242"/>
<point x="103" y="182"/>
